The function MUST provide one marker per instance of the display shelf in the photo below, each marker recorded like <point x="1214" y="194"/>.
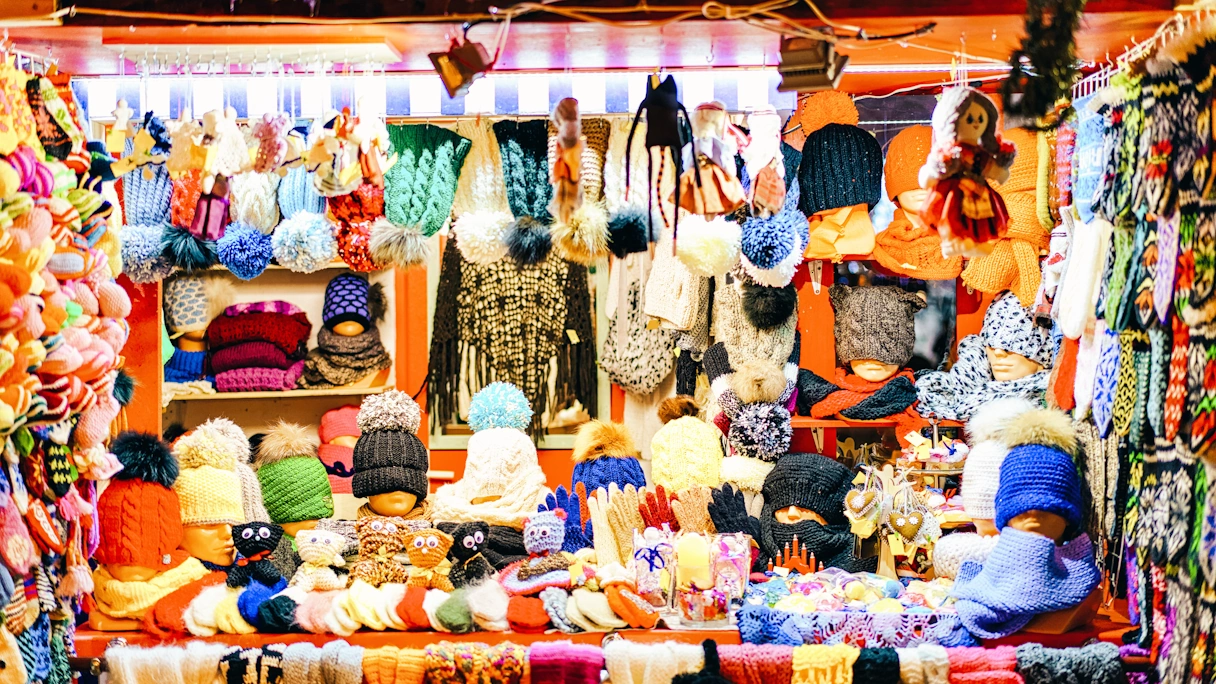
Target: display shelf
<point x="288" y="394"/>
<point x="806" y="422"/>
<point x="333" y="265"/>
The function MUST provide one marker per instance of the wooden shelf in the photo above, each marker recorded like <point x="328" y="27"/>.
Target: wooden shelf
<point x="288" y="394"/>
<point x="333" y="265"/>
<point x="806" y="423"/>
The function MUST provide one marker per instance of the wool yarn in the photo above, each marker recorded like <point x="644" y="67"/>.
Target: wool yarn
<point x="563" y="662"/>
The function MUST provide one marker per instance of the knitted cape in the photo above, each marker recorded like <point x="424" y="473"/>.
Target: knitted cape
<point x="857" y="399"/>
<point x="968" y="385"/>
<point x="339" y="360"/>
<point x="420" y="187"/>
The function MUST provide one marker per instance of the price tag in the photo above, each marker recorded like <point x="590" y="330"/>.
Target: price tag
<point x="897" y="545"/>
<point x="572" y="335"/>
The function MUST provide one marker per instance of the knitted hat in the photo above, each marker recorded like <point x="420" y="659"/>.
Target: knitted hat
<point x="138" y="514"/>
<point x="297" y="194"/>
<point x="982" y="470"/>
<point x="346" y="299"/>
<point x="244" y="250"/>
<point x="389" y="457"/>
<point x="499" y="405"/>
<point x="604" y="453"/>
<point x="810" y="481"/>
<point x="563" y="662"/>
<point x="338" y="459"/>
<point x="1039" y="473"/>
<point x="208" y="485"/>
<point x="294" y="484"/>
<point x="875" y="323"/>
<point x="841" y="167"/>
<point x="686" y="451"/>
<point x="952" y="550"/>
<point x="421" y="185"/>
<point x="1008" y="325"/>
<point x="906" y="153"/>
<point x="192" y="301"/>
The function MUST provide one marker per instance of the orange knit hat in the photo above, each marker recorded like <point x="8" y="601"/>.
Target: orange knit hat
<point x="905" y="155"/>
<point x="139" y="515"/>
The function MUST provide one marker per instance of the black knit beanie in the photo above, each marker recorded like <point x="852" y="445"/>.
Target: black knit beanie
<point x="389" y="457"/>
<point x="841" y="166"/>
<point x="810" y="481"/>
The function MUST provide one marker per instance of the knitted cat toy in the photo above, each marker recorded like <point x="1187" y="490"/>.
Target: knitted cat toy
<point x="471" y="566"/>
<point x="380" y="539"/>
<point x="255" y="542"/>
<point x="665" y="130"/>
<point x="427" y="551"/>
<point x="756" y="401"/>
<point x="320" y="552"/>
<point x="546" y="566"/>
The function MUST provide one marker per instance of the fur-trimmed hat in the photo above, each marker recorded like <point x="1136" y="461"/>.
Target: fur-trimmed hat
<point x="295" y="486"/>
<point x="982" y="471"/>
<point x="140" y="516"/>
<point x="1039" y="473"/>
<point x="604" y="453"/>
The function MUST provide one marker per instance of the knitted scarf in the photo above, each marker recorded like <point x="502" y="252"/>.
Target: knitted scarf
<point x="421" y="511"/>
<point x="119" y="599"/>
<point x="831" y="544"/>
<point x="339" y="360"/>
<point x="968" y="385"/>
<point x="420" y="187"/>
<point x="857" y="399"/>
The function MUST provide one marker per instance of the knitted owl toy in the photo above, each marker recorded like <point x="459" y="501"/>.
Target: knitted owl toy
<point x="756" y="399"/>
<point x="254" y="543"/>
<point x="428" y="550"/>
<point x="546" y="566"/>
<point x="381" y="538"/>
<point x="320" y="552"/>
<point x="470" y="566"/>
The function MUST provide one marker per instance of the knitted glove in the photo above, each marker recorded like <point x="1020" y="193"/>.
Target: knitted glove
<point x="604" y="539"/>
<point x="729" y="512"/>
<point x="578" y="534"/>
<point x="691" y="507"/>
<point x="656" y="511"/>
<point x="625" y="516"/>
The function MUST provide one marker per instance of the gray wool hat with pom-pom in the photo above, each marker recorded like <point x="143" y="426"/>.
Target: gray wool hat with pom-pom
<point x="389" y="457"/>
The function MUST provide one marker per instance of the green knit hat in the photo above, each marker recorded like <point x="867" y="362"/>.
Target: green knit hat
<point x="294" y="483"/>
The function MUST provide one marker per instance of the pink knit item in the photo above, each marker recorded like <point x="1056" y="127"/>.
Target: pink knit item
<point x="276" y="306"/>
<point x="285" y="332"/>
<point x="310" y="615"/>
<point x="339" y="422"/>
<point x="564" y="662"/>
<point x="339" y="463"/>
<point x="754" y="664"/>
<point x="984" y="665"/>
<point x="259" y="379"/>
<point x="257" y="354"/>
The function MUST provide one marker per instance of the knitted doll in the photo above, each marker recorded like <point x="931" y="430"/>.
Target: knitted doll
<point x="254" y="543"/>
<point x="471" y="566"/>
<point x="968" y="151"/>
<point x="427" y="550"/>
<point x="666" y="130"/>
<point x="710" y="187"/>
<point x="381" y="539"/>
<point x="547" y="566"/>
<point x="604" y="453"/>
<point x="320" y="552"/>
<point x="755" y="398"/>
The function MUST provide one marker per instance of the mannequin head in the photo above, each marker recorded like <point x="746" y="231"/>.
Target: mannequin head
<point x="348" y="441"/>
<point x="210" y="543"/>
<point x="796" y="514"/>
<point x="291" y="529"/>
<point x="912" y="200"/>
<point x="873" y="370"/>
<point x="348" y="329"/>
<point x="1047" y="524"/>
<point x="192" y="341"/>
<point x="392" y="503"/>
<point x="1007" y="365"/>
<point x="1016" y="346"/>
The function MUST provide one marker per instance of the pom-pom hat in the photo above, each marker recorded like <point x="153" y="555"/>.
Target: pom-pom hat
<point x="841" y="167"/>
<point x="208" y="485"/>
<point x="499" y="405"/>
<point x="1039" y="473"/>
<point x="389" y="457"/>
<point x="295" y="486"/>
<point x="982" y="470"/>
<point x="139" y="515"/>
<point x="604" y="453"/>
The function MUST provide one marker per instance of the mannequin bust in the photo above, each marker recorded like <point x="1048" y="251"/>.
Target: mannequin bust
<point x="123" y="573"/>
<point x="873" y="370"/>
<point x="348" y="329"/>
<point x="392" y="503"/>
<point x="210" y="543"/>
<point x="1007" y="365"/>
<point x="192" y="341"/>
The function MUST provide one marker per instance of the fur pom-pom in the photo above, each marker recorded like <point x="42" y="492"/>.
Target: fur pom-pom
<point x="391" y="410"/>
<point x="241" y="445"/>
<point x="144" y="457"/>
<point x="376" y="303"/>
<point x="678" y="406"/>
<point x="628" y="232"/>
<point x="480" y="236"/>
<point x="748" y="474"/>
<point x="499" y="405"/>
<point x="284" y="440"/>
<point x="206" y="447"/>
<point x="143" y="254"/>
<point x="1048" y="427"/>
<point x="305" y="242"/>
<point x="761" y="431"/>
<point x="708" y="248"/>
<point x="400" y="246"/>
<point x="244" y="250"/>
<point x="584" y="238"/>
<point x="124" y="387"/>
<point x="991" y="419"/>
<point x="187" y="252"/>
<point x="768" y="307"/>
<point x="599" y="438"/>
<point x="528" y="241"/>
<point x="757" y="381"/>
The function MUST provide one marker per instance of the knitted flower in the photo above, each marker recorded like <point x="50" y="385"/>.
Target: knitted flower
<point x="480" y="236"/>
<point x="391" y="410"/>
<point x="244" y="250"/>
<point x="708" y="248"/>
<point x="142" y="259"/>
<point x="305" y="242"/>
<point x="499" y="405"/>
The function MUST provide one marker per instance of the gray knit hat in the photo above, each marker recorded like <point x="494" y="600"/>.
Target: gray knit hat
<point x="1009" y="326"/>
<point x="875" y="323"/>
<point x="389" y="457"/>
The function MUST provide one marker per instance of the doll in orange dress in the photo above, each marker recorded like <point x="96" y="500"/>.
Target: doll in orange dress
<point x="967" y="152"/>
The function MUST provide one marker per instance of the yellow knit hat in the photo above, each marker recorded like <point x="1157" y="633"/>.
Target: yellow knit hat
<point x="208" y="486"/>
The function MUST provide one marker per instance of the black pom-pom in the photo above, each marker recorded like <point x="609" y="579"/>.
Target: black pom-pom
<point x="124" y="387"/>
<point x="628" y="232"/>
<point x="187" y="252"/>
<point x="528" y="241"/>
<point x="768" y="307"/>
<point x="172" y="432"/>
<point x="375" y="302"/>
<point x="144" y="457"/>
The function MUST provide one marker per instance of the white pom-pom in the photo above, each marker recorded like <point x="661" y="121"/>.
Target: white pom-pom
<point x="391" y="410"/>
<point x="479" y="235"/>
<point x="584" y="238"/>
<point x="708" y="248"/>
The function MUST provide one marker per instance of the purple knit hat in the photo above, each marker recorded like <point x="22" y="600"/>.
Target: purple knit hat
<point x="346" y="300"/>
<point x="564" y="662"/>
<point x="254" y="354"/>
<point x="259" y="379"/>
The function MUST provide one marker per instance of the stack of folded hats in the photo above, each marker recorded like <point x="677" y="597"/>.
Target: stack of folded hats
<point x="258" y="346"/>
<point x="339" y="432"/>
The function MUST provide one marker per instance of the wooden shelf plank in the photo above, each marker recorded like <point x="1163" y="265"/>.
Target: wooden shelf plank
<point x="333" y="265"/>
<point x="288" y="394"/>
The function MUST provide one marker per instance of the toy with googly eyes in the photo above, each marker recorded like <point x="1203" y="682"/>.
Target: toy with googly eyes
<point x="254" y="543"/>
<point x="428" y="550"/>
<point x="469" y="565"/>
<point x="546" y="565"/>
<point x="319" y="552"/>
<point x="381" y="540"/>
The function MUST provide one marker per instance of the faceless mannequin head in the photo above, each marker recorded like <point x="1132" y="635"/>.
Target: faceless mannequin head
<point x="348" y="329"/>
<point x="192" y="341"/>
<point x="1007" y="365"/>
<point x="1047" y="524"/>
<point x="291" y="529"/>
<point x="797" y="514"/>
<point x="911" y="201"/>
<point x="210" y="543"/>
<point x="873" y="371"/>
<point x="392" y="503"/>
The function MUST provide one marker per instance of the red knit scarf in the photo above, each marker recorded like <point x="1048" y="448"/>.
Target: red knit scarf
<point x="854" y="390"/>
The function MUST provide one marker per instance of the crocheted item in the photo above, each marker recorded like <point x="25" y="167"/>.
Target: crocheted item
<point x="421" y="186"/>
<point x="907" y="250"/>
<point x="259" y="379"/>
<point x="636" y="356"/>
<point x="952" y="550"/>
<point x="763" y="625"/>
<point x="287" y="333"/>
<point x="380" y="540"/>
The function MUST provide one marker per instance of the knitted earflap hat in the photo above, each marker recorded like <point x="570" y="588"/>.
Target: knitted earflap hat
<point x="841" y="167"/>
<point x="604" y="453"/>
<point x="294" y="484"/>
<point x="208" y="485"/>
<point x="982" y="470"/>
<point x="811" y="481"/>
<point x="875" y="323"/>
<point x="346" y="299"/>
<point x="686" y="451"/>
<point x="389" y="457"/>
<point x="906" y="153"/>
<point x="139" y="515"/>
<point x="192" y="301"/>
<point x="1039" y="473"/>
<point x="1009" y="326"/>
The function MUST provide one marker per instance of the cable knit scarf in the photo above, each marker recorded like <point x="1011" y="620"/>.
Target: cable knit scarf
<point x="857" y="399"/>
<point x="968" y="385"/>
<point x="339" y="360"/>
